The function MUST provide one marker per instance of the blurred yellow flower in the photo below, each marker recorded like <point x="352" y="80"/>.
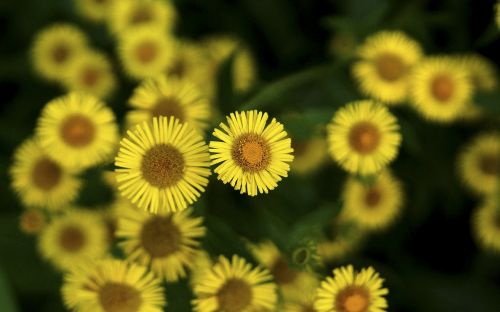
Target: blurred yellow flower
<point x="373" y="206"/>
<point x="363" y="137"/>
<point x="202" y="263"/>
<point x="166" y="242"/>
<point x="486" y="223"/>
<point x="252" y="156"/>
<point x="350" y="291"/>
<point x="40" y="180"/>
<point x="235" y="286"/>
<point x="162" y="165"/>
<point x="91" y="73"/>
<point x="94" y="10"/>
<point x="32" y="221"/>
<point x="189" y="63"/>
<point x="479" y="164"/>
<point x="73" y="238"/>
<point x="309" y="154"/>
<point x="386" y="60"/>
<point x="78" y="130"/>
<point x="303" y="301"/>
<point x="344" y="237"/>
<point x="169" y="97"/>
<point x="55" y="49"/>
<point x="112" y="286"/>
<point x="441" y="89"/>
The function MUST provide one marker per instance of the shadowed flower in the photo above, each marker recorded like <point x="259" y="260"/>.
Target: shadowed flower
<point x="486" y="223"/>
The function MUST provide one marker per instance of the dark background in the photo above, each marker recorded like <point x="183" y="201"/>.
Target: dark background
<point x="429" y="258"/>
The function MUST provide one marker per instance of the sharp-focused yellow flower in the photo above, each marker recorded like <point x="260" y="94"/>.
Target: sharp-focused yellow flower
<point x="145" y="52"/>
<point x="73" y="238"/>
<point x="373" y="206"/>
<point x="486" y="223"/>
<point x="127" y="14"/>
<point x="91" y="74"/>
<point x="56" y="48"/>
<point x="440" y="88"/>
<point x="363" y="137"/>
<point x="386" y="60"/>
<point x="169" y="97"/>
<point x="309" y="154"/>
<point x="479" y="164"/>
<point x="94" y="10"/>
<point x="163" y="165"/>
<point x="251" y="155"/>
<point x="350" y="291"/>
<point x="304" y="300"/>
<point x="167" y="242"/>
<point x="78" y="130"/>
<point x="40" y="180"/>
<point x="32" y="221"/>
<point x="112" y="286"/>
<point x="234" y="286"/>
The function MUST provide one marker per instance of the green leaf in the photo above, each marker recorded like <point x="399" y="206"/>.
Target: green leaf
<point x="6" y="299"/>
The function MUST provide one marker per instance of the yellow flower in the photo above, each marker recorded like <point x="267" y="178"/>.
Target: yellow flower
<point x="309" y="154"/>
<point x="127" y="14"/>
<point x="497" y="14"/>
<point x="91" y="74"/>
<point x="167" y="242"/>
<point x="40" y="180"/>
<point x="363" y="137"/>
<point x="350" y="291"/>
<point x="168" y="97"/>
<point x="386" y="59"/>
<point x="486" y="223"/>
<point x="189" y="63"/>
<point x="303" y="301"/>
<point x="32" y="221"/>
<point x="94" y="10"/>
<point x="251" y="155"/>
<point x="56" y="48"/>
<point x="163" y="165"/>
<point x="479" y="164"/>
<point x="78" y="130"/>
<point x="202" y="263"/>
<point x="73" y="238"/>
<point x="440" y="89"/>
<point x="373" y="206"/>
<point x="234" y="286"/>
<point x="344" y="238"/>
<point x="145" y="52"/>
<point x="112" y="286"/>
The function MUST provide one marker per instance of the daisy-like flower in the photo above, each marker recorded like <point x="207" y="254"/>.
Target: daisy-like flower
<point x="78" y="130"/>
<point x="40" y="180"/>
<point x="73" y="238"/>
<point x="145" y="52"/>
<point x="303" y="301"/>
<point x="440" y="88"/>
<point x="479" y="164"/>
<point x="486" y="223"/>
<point x="56" y="48"/>
<point x="202" y="263"/>
<point x="373" y="206"/>
<point x="363" y="137"/>
<point x="127" y="14"/>
<point x="167" y="242"/>
<point x="350" y="291"/>
<point x="309" y="154"/>
<point x="168" y="97"/>
<point x="386" y="59"/>
<point x="189" y="63"/>
<point x="94" y="10"/>
<point x="251" y="156"/>
<point x="112" y="286"/>
<point x="91" y="74"/>
<point x="234" y="286"/>
<point x="163" y="165"/>
<point x="32" y="221"/>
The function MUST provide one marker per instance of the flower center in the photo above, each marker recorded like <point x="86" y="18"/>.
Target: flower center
<point x="160" y="237"/>
<point x="489" y="164"/>
<point x="60" y="53"/>
<point x="141" y="15"/>
<point x="72" y="238"/>
<point x="117" y="297"/>
<point x="163" y="166"/>
<point x="234" y="296"/>
<point x="168" y="106"/>
<point x="352" y="299"/>
<point x="32" y="221"/>
<point x="90" y="76"/>
<point x="364" y="137"/>
<point x="373" y="197"/>
<point x="251" y="152"/>
<point x="390" y="67"/>
<point x="78" y="131"/>
<point x="46" y="174"/>
<point x="282" y="272"/>
<point x="442" y="87"/>
<point x="146" y="51"/>
<point x="308" y="308"/>
<point x="178" y="69"/>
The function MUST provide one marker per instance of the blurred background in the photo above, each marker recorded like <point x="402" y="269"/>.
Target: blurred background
<point x="302" y="50"/>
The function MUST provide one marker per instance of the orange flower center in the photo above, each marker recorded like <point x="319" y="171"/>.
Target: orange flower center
<point x="160" y="237"/>
<point x="46" y="174"/>
<point x="32" y="221"/>
<point x="251" y="152"/>
<point x="141" y="15"/>
<point x="60" y="53"/>
<point x="90" y="76"/>
<point x="364" y="137"/>
<point x="72" y="238"/>
<point x="390" y="67"/>
<point x="163" y="166"/>
<point x="78" y="131"/>
<point x="282" y="272"/>
<point x="353" y="299"/>
<point x="442" y="88"/>
<point x="373" y="197"/>
<point x="119" y="297"/>
<point x="234" y="296"/>
<point x="146" y="52"/>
